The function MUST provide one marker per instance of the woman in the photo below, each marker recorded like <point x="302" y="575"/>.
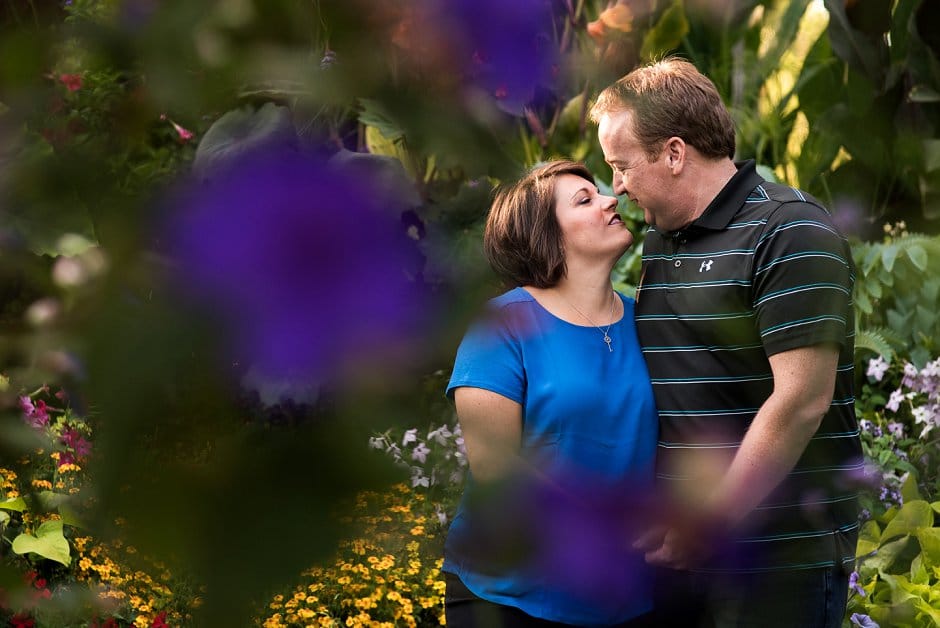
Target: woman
<point x="557" y="413"/>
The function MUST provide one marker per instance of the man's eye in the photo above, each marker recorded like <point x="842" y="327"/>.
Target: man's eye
<point x="584" y="201"/>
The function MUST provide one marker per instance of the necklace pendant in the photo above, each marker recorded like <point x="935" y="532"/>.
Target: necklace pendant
<point x="607" y="340"/>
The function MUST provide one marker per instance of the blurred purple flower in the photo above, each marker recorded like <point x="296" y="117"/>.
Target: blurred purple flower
<point x="896" y="429"/>
<point x="863" y="621"/>
<point x="73" y="438"/>
<point x="507" y="48"/>
<point x="36" y="415"/>
<point x="301" y="260"/>
<point x="855" y="586"/>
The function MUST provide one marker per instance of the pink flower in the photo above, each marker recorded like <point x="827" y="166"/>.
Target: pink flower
<point x="184" y="134"/>
<point x="72" y="82"/>
<point x="37" y="415"/>
<point x="73" y="439"/>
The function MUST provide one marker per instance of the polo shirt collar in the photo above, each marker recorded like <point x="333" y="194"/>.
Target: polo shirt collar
<point x="722" y="209"/>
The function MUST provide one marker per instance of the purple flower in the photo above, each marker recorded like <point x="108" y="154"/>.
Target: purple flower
<point x="894" y="401"/>
<point x="855" y="586"/>
<point x="896" y="429"/>
<point x="877" y="368"/>
<point x="301" y="261"/>
<point x="507" y="48"/>
<point x="36" y="415"/>
<point x="73" y="438"/>
<point x="420" y="453"/>
<point x="863" y="621"/>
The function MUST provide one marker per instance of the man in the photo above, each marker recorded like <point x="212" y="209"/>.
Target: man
<point x="745" y="317"/>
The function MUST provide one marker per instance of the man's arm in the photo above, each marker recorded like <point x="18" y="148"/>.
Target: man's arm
<point x="804" y="381"/>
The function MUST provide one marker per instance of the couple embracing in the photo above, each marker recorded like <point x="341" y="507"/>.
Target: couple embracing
<point x="681" y="459"/>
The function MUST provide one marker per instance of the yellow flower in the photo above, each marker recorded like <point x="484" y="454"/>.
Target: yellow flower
<point x="417" y="530"/>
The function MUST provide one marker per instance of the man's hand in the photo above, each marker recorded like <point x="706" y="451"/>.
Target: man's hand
<point x="685" y="544"/>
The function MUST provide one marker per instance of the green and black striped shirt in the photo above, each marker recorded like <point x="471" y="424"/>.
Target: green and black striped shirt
<point x="763" y="270"/>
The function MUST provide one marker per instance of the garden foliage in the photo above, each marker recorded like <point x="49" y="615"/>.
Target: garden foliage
<point x="237" y="234"/>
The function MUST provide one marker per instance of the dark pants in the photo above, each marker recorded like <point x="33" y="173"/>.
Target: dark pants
<point x="465" y="610"/>
<point x="811" y="598"/>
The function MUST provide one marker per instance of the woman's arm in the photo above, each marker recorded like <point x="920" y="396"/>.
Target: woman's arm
<point x="492" y="432"/>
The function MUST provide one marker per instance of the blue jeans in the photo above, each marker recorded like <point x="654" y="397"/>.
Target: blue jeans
<point x="810" y="598"/>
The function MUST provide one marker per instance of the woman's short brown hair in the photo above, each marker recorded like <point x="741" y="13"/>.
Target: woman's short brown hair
<point x="671" y="98"/>
<point x="522" y="239"/>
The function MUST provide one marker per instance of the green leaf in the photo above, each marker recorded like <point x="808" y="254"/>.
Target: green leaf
<point x="241" y="130"/>
<point x="912" y="516"/>
<point x="888" y="256"/>
<point x="49" y="542"/>
<point x="935" y="506"/>
<point x="931" y="155"/>
<point x="918" y="256"/>
<point x="911" y="493"/>
<point x="869" y="538"/>
<point x="923" y="93"/>
<point x="17" y="504"/>
<point x="929" y="539"/>
<point x="887" y="554"/>
<point x="863" y="303"/>
<point x="667" y="34"/>
<point x="375" y="114"/>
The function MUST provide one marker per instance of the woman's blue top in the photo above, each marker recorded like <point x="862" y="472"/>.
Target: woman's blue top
<point x="556" y="543"/>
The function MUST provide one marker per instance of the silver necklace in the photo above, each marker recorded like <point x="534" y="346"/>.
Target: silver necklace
<point x="604" y="330"/>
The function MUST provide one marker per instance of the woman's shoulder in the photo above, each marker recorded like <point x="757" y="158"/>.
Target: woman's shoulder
<point x="628" y="301"/>
<point x="510" y="298"/>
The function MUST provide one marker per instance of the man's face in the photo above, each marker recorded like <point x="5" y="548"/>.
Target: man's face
<point x="646" y="183"/>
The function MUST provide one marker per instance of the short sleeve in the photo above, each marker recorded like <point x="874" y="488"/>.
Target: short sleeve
<point x="490" y="357"/>
<point x="803" y="280"/>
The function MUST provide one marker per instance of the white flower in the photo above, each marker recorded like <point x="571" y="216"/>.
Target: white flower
<point x="894" y="402"/>
<point x="377" y="442"/>
<point x="877" y="368"/>
<point x="410" y="436"/>
<point x="420" y="453"/>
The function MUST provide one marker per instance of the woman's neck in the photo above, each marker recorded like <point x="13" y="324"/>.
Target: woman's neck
<point x="581" y="300"/>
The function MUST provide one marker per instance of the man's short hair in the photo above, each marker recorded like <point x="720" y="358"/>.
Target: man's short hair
<point x="522" y="239"/>
<point x="671" y="98"/>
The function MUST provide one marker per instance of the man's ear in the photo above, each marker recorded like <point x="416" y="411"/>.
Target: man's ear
<point x="675" y="154"/>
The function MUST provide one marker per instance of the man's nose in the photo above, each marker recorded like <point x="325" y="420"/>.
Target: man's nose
<point x="617" y="184"/>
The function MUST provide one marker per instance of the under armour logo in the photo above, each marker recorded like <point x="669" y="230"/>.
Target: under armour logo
<point x="706" y="266"/>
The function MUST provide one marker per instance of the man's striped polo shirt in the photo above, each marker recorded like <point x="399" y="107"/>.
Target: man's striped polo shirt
<point x="763" y="270"/>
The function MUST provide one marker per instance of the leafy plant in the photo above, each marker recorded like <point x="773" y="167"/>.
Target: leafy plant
<point x="897" y="293"/>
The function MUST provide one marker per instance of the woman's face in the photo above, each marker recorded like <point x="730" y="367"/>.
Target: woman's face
<point x="591" y="228"/>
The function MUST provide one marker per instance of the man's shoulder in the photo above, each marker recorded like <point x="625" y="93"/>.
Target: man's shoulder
<point x="776" y="194"/>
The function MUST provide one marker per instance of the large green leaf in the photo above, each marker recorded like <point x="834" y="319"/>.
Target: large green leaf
<point x="918" y="257"/>
<point x="857" y="50"/>
<point x="17" y="504"/>
<point x="887" y="554"/>
<point x="869" y="538"/>
<point x="929" y="539"/>
<point x="49" y="542"/>
<point x="667" y="34"/>
<point x="242" y="130"/>
<point x="912" y="516"/>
